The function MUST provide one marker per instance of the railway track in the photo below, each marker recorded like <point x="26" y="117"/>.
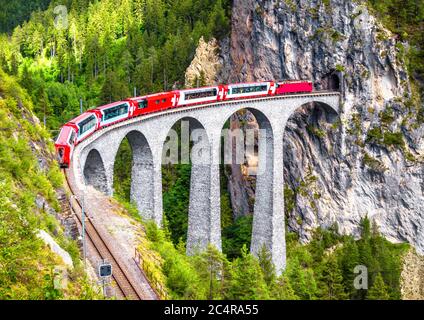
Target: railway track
<point x="124" y="285"/>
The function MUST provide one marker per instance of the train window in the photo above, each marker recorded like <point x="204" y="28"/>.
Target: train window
<point x="252" y="89"/>
<point x="142" y="104"/>
<point x="163" y="100"/>
<point x="87" y="124"/>
<point x="202" y="94"/>
<point x="157" y="101"/>
<point x="115" y="112"/>
<point x="72" y="138"/>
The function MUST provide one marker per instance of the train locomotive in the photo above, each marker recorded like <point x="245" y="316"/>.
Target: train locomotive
<point x="83" y="126"/>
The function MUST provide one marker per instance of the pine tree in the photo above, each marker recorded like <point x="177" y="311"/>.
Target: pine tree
<point x="218" y="23"/>
<point x="365" y="228"/>
<point x="378" y="290"/>
<point x="348" y="261"/>
<point x="210" y="267"/>
<point x="302" y="279"/>
<point x="247" y="281"/>
<point x="267" y="266"/>
<point x="331" y="281"/>
<point x="282" y="289"/>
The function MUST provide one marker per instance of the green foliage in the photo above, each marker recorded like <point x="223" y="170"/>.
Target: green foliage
<point x="331" y="281"/>
<point x="375" y="135"/>
<point x="324" y="268"/>
<point x="385" y="138"/>
<point x="237" y="235"/>
<point x="289" y="199"/>
<point x="182" y="279"/>
<point x="247" y="280"/>
<point x="210" y="275"/>
<point x="320" y="133"/>
<point x="213" y="270"/>
<point x="387" y="116"/>
<point x="14" y="12"/>
<point x="405" y="18"/>
<point x="122" y="171"/>
<point x="267" y="266"/>
<point x="378" y="290"/>
<point x="176" y="196"/>
<point x="226" y="208"/>
<point x="373" y="163"/>
<point x="340" y="68"/>
<point x="109" y="48"/>
<point x="348" y="259"/>
<point x="27" y="265"/>
<point x="394" y="139"/>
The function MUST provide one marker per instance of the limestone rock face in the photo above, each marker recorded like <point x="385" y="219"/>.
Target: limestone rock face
<point x="337" y="172"/>
<point x="206" y="61"/>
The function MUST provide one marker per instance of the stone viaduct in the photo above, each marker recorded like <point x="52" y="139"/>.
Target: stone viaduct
<point x="93" y="163"/>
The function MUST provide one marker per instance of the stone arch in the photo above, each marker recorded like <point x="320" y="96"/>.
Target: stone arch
<point x="199" y="231"/>
<point x="191" y="127"/>
<point x="94" y="171"/>
<point x="142" y="174"/>
<point x="263" y="212"/>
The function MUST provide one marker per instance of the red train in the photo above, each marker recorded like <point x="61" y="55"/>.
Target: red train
<point x="87" y="123"/>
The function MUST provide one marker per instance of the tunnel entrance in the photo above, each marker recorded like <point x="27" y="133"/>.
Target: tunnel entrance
<point x="334" y="84"/>
<point x="332" y="81"/>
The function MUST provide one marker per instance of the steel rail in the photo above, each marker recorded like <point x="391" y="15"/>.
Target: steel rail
<point x="124" y="284"/>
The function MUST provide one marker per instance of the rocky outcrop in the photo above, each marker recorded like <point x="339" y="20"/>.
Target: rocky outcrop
<point x="369" y="161"/>
<point x="205" y="65"/>
<point x="57" y="249"/>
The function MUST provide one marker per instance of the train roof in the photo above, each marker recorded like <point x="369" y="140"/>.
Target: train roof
<point x="248" y="83"/>
<point x="151" y="95"/>
<point x="199" y="88"/>
<point x="114" y="104"/>
<point x="293" y="81"/>
<point x="81" y="117"/>
<point x="63" y="135"/>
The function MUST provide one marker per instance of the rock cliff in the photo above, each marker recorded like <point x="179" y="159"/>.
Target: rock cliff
<point x="369" y="160"/>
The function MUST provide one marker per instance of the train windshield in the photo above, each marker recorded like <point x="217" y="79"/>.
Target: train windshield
<point x="87" y="124"/>
<point x="72" y="138"/>
<point x="248" y="89"/>
<point x="142" y="104"/>
<point x="115" y="112"/>
<point x="201" y="94"/>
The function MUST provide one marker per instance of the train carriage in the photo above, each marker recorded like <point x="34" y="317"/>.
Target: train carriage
<point x="86" y="124"/>
<point x="113" y="113"/>
<point x="72" y="133"/>
<point x="64" y="145"/>
<point x="200" y="95"/>
<point x="153" y="103"/>
<point x="294" y="86"/>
